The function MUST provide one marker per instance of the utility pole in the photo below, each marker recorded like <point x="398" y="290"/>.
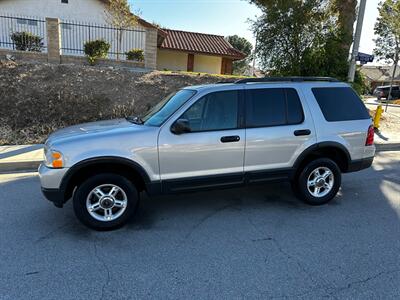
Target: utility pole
<point x="391" y="81"/>
<point x="356" y="43"/>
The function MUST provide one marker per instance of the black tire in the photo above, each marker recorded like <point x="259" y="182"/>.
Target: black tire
<point x="82" y="192"/>
<point x="300" y="183"/>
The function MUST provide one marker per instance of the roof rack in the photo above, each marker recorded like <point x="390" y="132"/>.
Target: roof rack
<point x="292" y="79"/>
<point x="227" y="81"/>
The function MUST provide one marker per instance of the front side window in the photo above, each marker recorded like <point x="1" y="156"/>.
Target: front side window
<point x="215" y="111"/>
<point x="163" y="110"/>
<point x="273" y="107"/>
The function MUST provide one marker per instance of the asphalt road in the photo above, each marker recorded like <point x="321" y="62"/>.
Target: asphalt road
<point x="257" y="242"/>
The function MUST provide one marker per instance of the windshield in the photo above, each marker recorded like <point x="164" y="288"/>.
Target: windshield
<point x="163" y="110"/>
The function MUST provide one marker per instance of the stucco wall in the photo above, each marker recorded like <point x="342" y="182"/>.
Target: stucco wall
<point x="78" y="10"/>
<point x="177" y="61"/>
<point x="207" y="64"/>
<point x="171" y="60"/>
<point x="73" y="37"/>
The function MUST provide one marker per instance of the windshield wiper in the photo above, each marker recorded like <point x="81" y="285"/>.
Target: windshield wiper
<point x="135" y="120"/>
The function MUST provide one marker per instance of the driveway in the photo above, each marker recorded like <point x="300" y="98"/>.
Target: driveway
<point x="257" y="242"/>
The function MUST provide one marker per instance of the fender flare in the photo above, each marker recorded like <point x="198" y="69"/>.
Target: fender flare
<point x="98" y="160"/>
<point x="318" y="146"/>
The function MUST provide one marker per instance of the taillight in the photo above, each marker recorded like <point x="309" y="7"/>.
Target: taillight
<point x="370" y="136"/>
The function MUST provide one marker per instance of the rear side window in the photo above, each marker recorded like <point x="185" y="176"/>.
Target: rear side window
<point x="340" y="104"/>
<point x="273" y="107"/>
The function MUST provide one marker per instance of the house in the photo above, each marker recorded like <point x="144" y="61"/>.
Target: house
<point x="164" y="49"/>
<point x="196" y="52"/>
<point x="380" y="75"/>
<point x="91" y="11"/>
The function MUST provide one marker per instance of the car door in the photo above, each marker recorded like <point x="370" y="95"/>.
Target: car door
<point x="212" y="153"/>
<point x="278" y="128"/>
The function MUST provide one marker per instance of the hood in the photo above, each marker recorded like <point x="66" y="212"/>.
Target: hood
<point x="90" y="128"/>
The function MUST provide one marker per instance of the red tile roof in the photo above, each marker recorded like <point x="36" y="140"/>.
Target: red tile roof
<point x="200" y="43"/>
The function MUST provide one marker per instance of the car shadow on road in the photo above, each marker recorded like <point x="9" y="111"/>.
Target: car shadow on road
<point x="156" y="211"/>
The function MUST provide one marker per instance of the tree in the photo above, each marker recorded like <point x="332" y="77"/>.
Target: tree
<point x="305" y="37"/>
<point x="288" y="32"/>
<point x="387" y="28"/>
<point x="345" y="13"/>
<point x="118" y="14"/>
<point x="243" y="45"/>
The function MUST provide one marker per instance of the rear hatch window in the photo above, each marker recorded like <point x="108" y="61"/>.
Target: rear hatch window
<point x="340" y="104"/>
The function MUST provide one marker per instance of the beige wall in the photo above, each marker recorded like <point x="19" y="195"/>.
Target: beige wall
<point x="207" y="64"/>
<point x="171" y="60"/>
<point x="177" y="61"/>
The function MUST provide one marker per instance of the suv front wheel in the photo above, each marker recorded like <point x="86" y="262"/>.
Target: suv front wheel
<point x="318" y="182"/>
<point x="105" y="201"/>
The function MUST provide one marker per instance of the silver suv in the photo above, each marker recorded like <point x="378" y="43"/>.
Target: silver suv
<point x="305" y="130"/>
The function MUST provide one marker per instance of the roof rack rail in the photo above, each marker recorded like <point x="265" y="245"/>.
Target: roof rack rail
<point x="293" y="79"/>
<point x="227" y="81"/>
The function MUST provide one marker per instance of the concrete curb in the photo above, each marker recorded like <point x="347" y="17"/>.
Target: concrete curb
<point x="32" y="166"/>
<point x="387" y="147"/>
<point x="21" y="166"/>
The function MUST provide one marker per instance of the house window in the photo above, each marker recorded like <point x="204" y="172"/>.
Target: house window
<point x="32" y="23"/>
<point x="21" y="21"/>
<point x="27" y="22"/>
<point x="64" y="1"/>
<point x="66" y="26"/>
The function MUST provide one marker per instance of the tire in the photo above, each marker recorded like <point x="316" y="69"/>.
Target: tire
<point x="111" y="198"/>
<point x="328" y="188"/>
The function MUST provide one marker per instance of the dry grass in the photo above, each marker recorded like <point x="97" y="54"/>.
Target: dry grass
<point x="37" y="99"/>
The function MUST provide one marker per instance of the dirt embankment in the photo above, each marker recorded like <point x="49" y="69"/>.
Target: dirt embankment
<point x="36" y="99"/>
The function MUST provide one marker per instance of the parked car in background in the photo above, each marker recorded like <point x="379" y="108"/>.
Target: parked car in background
<point x="382" y="92"/>
<point x="305" y="130"/>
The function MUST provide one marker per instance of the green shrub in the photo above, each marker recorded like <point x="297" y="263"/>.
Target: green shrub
<point x="26" y="41"/>
<point x="135" y="54"/>
<point x="360" y="84"/>
<point x="96" y="49"/>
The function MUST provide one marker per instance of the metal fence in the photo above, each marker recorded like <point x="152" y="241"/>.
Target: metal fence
<point x="23" y="33"/>
<point x="75" y="34"/>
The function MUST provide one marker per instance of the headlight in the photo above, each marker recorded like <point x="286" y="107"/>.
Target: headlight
<point x="53" y="159"/>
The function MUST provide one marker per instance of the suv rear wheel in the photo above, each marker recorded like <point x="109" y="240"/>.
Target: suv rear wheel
<point x="105" y="201"/>
<point x="318" y="182"/>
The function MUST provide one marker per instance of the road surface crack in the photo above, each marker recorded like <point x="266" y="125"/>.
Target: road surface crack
<point x="206" y="218"/>
<point x="105" y="267"/>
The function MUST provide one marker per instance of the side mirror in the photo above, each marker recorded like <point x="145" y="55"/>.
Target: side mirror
<point x="180" y="126"/>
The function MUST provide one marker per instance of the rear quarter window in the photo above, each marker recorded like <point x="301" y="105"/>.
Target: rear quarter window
<point x="340" y="104"/>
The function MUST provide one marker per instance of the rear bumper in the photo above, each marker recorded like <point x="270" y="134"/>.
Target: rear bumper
<point x="360" y="164"/>
<point x="55" y="196"/>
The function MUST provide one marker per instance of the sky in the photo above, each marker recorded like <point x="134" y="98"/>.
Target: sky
<point x="226" y="17"/>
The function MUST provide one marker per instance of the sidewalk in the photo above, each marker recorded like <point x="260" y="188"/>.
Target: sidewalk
<point x="20" y="158"/>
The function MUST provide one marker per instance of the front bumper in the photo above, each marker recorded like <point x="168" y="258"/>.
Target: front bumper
<point x="50" y="180"/>
<point x="54" y="195"/>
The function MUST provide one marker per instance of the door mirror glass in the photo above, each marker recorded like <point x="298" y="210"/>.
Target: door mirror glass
<point x="181" y="126"/>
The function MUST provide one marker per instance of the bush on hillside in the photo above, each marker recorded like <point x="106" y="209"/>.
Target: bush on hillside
<point x="96" y="49"/>
<point x="135" y="54"/>
<point x="26" y="41"/>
